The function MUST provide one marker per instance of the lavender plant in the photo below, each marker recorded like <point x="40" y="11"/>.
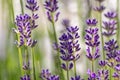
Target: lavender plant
<point x="92" y="41"/>
<point x="69" y="47"/>
<point x="25" y="24"/>
<point x="51" y="7"/>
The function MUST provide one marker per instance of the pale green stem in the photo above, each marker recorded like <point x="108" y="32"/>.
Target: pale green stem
<point x="22" y="8"/>
<point x="75" y="72"/>
<point x="57" y="57"/>
<point x="33" y="63"/>
<point x="118" y="24"/>
<point x="102" y="40"/>
<point x="67" y="70"/>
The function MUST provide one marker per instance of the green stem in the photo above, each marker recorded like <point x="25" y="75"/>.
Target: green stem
<point x="67" y="71"/>
<point x="118" y="25"/>
<point x="27" y="61"/>
<point x="92" y="60"/>
<point x="75" y="72"/>
<point x="33" y="64"/>
<point x="22" y="8"/>
<point x="57" y="57"/>
<point x="102" y="40"/>
<point x="20" y="60"/>
<point x="92" y="65"/>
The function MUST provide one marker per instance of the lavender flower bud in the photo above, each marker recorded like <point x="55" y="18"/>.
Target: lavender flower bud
<point x="111" y="15"/>
<point x="32" y="5"/>
<point x="91" y="22"/>
<point x="76" y="78"/>
<point x="102" y="63"/>
<point x="25" y="77"/>
<point x="100" y="8"/>
<point x="52" y="6"/>
<point x="103" y="74"/>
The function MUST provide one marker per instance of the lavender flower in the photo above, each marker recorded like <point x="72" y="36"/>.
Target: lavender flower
<point x="69" y="44"/>
<point x="116" y="76"/>
<point x="110" y="27"/>
<point x="66" y="23"/>
<point x="76" y="78"/>
<point x="92" y="75"/>
<point x="102" y="63"/>
<point x="111" y="50"/>
<point x="52" y="7"/>
<point x="111" y="15"/>
<point x="103" y="75"/>
<point x="100" y="8"/>
<point x="32" y="5"/>
<point x="92" y="37"/>
<point x="25" y="77"/>
<point x="91" y="56"/>
<point x="92" y="40"/>
<point x="45" y="74"/>
<point x="91" y="22"/>
<point x="24" y="30"/>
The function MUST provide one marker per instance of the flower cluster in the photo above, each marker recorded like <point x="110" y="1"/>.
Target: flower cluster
<point x="111" y="50"/>
<point x="46" y="75"/>
<point x="101" y="75"/>
<point x="92" y="40"/>
<point x="99" y="8"/>
<point x="76" y="78"/>
<point x="110" y="26"/>
<point x="24" y="30"/>
<point x="32" y="5"/>
<point x="69" y="46"/>
<point x="25" y="25"/>
<point x="25" y="77"/>
<point x="52" y="6"/>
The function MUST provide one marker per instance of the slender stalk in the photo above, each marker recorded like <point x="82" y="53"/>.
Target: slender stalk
<point x="27" y="61"/>
<point x="22" y="8"/>
<point x="102" y="40"/>
<point x="75" y="72"/>
<point x="20" y="61"/>
<point x="33" y="63"/>
<point x="92" y="65"/>
<point x="57" y="57"/>
<point x="67" y="71"/>
<point x="118" y="24"/>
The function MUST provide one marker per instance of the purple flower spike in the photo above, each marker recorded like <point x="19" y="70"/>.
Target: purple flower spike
<point x="111" y="45"/>
<point x="92" y="37"/>
<point x="45" y="74"/>
<point x="54" y="77"/>
<point x="52" y="6"/>
<point x="69" y="46"/>
<point x="110" y="28"/>
<point x="116" y="75"/>
<point x="32" y="5"/>
<point x="103" y="74"/>
<point x="25" y="77"/>
<point x="91" y="22"/>
<point x="117" y="67"/>
<point x="111" y="15"/>
<point x="66" y="23"/>
<point x="76" y="78"/>
<point x="100" y="8"/>
<point x="102" y="63"/>
<point x="91" y="56"/>
<point x="92" y="75"/>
